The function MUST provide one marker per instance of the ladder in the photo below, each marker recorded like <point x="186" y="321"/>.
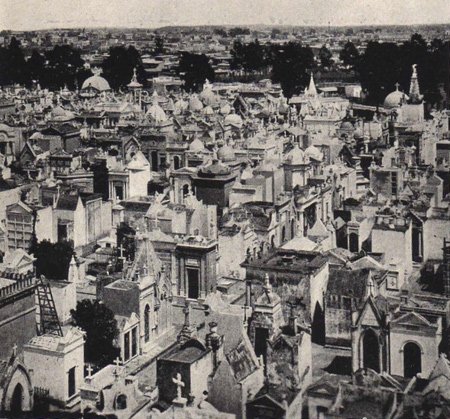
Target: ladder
<point x="48" y="322"/>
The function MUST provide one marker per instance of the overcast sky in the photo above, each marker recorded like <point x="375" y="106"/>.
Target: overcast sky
<point x="44" y="14"/>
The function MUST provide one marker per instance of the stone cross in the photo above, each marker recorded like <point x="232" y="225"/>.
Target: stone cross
<point x="179" y="384"/>
<point x="117" y="361"/>
<point x="397" y="85"/>
<point x="14" y="350"/>
<point x="89" y="370"/>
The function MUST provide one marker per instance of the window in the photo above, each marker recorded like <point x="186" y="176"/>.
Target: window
<point x="147" y="323"/>
<point x="134" y="341"/>
<point x="126" y="344"/>
<point x="71" y="381"/>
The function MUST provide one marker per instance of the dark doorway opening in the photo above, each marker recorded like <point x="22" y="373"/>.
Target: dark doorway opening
<point x="261" y="336"/>
<point x="193" y="283"/>
<point x="412" y="360"/>
<point x="371" y="351"/>
<point x="354" y="243"/>
<point x="119" y="192"/>
<point x="318" y="326"/>
<point x="154" y="158"/>
<point x="17" y="400"/>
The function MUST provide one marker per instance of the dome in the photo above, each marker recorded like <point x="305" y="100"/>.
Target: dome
<point x="97" y="83"/>
<point x="226" y="153"/>
<point x="156" y="113"/>
<point x="233" y="119"/>
<point x="196" y="146"/>
<point x="395" y="99"/>
<point x="297" y="156"/>
<point x="225" y="109"/>
<point x="313" y="152"/>
<point x="207" y="96"/>
<point x="347" y="125"/>
<point x="208" y="110"/>
<point x="195" y="104"/>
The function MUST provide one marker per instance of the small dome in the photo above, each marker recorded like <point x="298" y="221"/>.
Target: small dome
<point x="347" y="125"/>
<point x="196" y="146"/>
<point x="233" y="119"/>
<point x="97" y="83"/>
<point x="225" y="109"/>
<point x="226" y="154"/>
<point x="297" y="156"/>
<point x="208" y="110"/>
<point x="313" y="152"/>
<point x="195" y="104"/>
<point x="156" y="113"/>
<point x="395" y="99"/>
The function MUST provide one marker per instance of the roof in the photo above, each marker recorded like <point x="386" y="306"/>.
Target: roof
<point x="67" y="202"/>
<point x="347" y="283"/>
<point x="188" y="353"/>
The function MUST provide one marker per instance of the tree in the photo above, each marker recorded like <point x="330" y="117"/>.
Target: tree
<point x="384" y="64"/>
<point x="100" y="325"/>
<point x="36" y="66"/>
<point x="52" y="259"/>
<point x="65" y="67"/>
<point x="118" y="67"/>
<point x="250" y="57"/>
<point x="159" y="46"/>
<point x="292" y="67"/>
<point x="194" y="69"/>
<point x="275" y="33"/>
<point x="12" y="64"/>
<point x="349" y="55"/>
<point x="325" y="57"/>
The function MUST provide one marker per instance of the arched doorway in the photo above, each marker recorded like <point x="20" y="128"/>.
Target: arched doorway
<point x="318" y="325"/>
<point x="17" y="400"/>
<point x="412" y="360"/>
<point x="371" y="351"/>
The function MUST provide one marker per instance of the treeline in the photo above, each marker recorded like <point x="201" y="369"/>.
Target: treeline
<point x="378" y="68"/>
<point x="64" y="66"/>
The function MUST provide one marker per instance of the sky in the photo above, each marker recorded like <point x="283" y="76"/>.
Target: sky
<point x="47" y="14"/>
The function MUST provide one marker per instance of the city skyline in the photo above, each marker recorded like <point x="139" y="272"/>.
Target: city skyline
<point x="50" y="14"/>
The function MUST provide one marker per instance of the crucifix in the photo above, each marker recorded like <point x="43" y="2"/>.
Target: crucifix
<point x="89" y="370"/>
<point x="179" y="385"/>
<point x="397" y="85"/>
<point x="117" y="362"/>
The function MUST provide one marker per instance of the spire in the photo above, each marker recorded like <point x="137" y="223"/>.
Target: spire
<point x="312" y="91"/>
<point x="370" y="287"/>
<point x="414" y="90"/>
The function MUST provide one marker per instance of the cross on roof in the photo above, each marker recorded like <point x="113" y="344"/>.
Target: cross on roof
<point x="179" y="384"/>
<point x="397" y="85"/>
<point x="117" y="361"/>
<point x="89" y="370"/>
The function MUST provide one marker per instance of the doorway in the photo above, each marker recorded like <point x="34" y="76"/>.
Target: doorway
<point x="371" y="351"/>
<point x="193" y="282"/>
<point x="412" y="360"/>
<point x="17" y="400"/>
